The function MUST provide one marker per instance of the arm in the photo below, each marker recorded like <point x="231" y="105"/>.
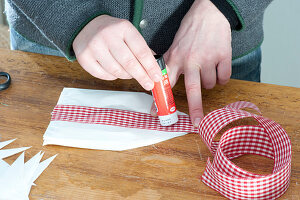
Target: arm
<point x="240" y="13"/>
<point x="59" y="21"/>
<point x="201" y="49"/>
<point x="105" y="46"/>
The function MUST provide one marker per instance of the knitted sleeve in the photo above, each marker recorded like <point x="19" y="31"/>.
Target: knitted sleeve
<point x="60" y="21"/>
<point x="240" y="13"/>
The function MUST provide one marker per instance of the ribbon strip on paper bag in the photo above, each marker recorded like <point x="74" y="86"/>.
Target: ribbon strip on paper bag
<point x="117" y="117"/>
<point x="267" y="139"/>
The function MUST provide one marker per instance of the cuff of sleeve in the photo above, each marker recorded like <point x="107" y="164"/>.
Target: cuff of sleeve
<point x="70" y="54"/>
<point x="231" y="12"/>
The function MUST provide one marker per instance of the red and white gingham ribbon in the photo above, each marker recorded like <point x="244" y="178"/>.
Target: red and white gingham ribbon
<point x="116" y="117"/>
<point x="267" y="139"/>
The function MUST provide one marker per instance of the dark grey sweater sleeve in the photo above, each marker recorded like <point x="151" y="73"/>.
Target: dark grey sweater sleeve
<point x="248" y="10"/>
<point x="229" y="13"/>
<point x="239" y="13"/>
<point x="59" y="21"/>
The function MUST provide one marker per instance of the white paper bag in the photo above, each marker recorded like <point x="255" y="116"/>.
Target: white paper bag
<point x="104" y="137"/>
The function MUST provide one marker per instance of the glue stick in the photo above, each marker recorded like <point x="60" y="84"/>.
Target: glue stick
<point x="163" y="96"/>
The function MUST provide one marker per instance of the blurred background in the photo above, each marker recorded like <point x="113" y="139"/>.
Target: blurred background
<point x="280" y="49"/>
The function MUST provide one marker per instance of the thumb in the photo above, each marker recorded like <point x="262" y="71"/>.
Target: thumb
<point x="153" y="108"/>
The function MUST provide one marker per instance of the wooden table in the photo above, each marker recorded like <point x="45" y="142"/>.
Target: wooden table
<point x="167" y="170"/>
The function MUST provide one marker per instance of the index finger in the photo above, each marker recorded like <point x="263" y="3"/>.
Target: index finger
<point x="142" y="52"/>
<point x="193" y="93"/>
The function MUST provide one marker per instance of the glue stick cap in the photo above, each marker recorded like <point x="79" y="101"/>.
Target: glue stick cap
<point x="161" y="62"/>
<point x="167" y="120"/>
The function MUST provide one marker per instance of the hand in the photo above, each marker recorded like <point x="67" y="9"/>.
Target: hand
<point x="110" y="48"/>
<point x="201" y="50"/>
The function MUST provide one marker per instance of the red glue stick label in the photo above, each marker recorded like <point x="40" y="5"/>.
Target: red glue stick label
<point x="163" y="96"/>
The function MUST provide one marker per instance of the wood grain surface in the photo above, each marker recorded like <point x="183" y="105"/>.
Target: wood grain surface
<point x="167" y="170"/>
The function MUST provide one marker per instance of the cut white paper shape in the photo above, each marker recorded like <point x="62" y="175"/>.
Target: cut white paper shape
<point x="17" y="179"/>
<point x="104" y="137"/>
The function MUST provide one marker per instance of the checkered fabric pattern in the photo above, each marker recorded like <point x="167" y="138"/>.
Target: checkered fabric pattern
<point x="267" y="139"/>
<point x="116" y="117"/>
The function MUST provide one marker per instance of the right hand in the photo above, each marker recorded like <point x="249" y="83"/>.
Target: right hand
<point x="109" y="48"/>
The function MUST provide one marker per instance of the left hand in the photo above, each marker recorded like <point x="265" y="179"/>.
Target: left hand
<point x="201" y="50"/>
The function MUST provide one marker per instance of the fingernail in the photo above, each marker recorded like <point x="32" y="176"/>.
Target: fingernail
<point x="148" y="86"/>
<point x="197" y="122"/>
<point x="157" y="78"/>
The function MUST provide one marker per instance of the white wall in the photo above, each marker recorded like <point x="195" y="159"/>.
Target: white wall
<point x="281" y="46"/>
